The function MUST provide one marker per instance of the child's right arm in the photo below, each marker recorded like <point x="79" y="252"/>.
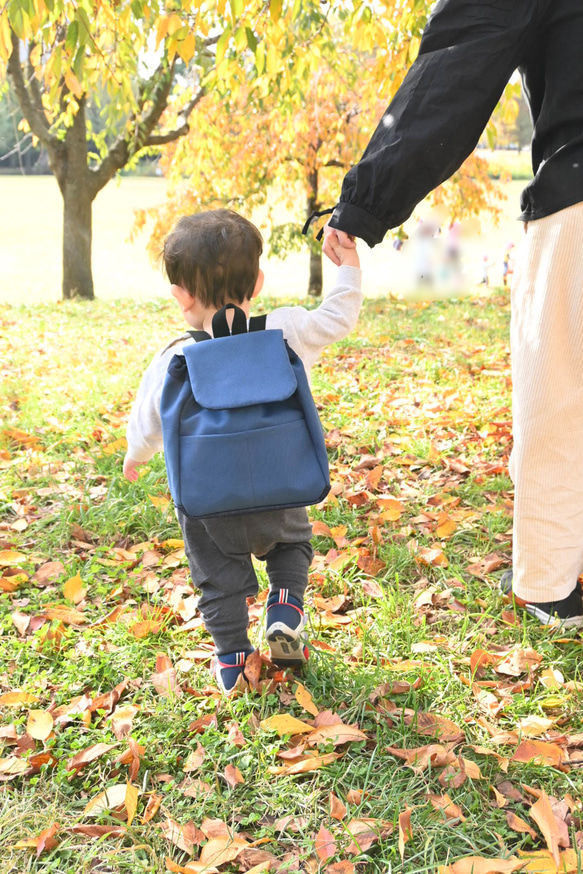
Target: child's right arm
<point x="144" y="431"/>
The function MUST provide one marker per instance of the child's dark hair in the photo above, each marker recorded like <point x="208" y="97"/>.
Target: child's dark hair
<point x="214" y="255"/>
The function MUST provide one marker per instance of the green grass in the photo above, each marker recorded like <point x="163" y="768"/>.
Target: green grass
<point x="419" y="387"/>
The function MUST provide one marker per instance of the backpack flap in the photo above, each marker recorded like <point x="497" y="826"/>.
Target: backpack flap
<point x="240" y="370"/>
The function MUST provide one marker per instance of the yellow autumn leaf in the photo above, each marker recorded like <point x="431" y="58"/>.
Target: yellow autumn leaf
<point x="305" y="700"/>
<point x="73" y="589"/>
<point x="283" y="723"/>
<point x="40" y="724"/>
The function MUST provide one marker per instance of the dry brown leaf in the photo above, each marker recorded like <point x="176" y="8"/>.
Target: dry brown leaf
<point x="324" y="844"/>
<point x="47" y="840"/>
<point x="337" y="808"/>
<point x="337" y="734"/>
<point x="305" y="765"/>
<point x="405" y="832"/>
<point x="89" y="754"/>
<point x="305" y="700"/>
<point x="131" y="802"/>
<point x="253" y="665"/>
<point x="540" y="752"/>
<point x="419" y="758"/>
<point x="99" y="831"/>
<point x="519" y="661"/>
<point x="553" y="830"/>
<point x="444" y="803"/>
<point x="344" y="867"/>
<point x="219" y="851"/>
<point x="519" y="825"/>
<point x="365" y="833"/>
<point x="479" y="865"/>
<point x="186" y="837"/>
<point x="21" y="621"/>
<point x="122" y="721"/>
<point x="233" y="775"/>
<point x="433" y="556"/>
<point x="9" y="557"/>
<point x="433" y="725"/>
<point x="109" y="799"/>
<point x="39" y="724"/>
<point x="195" y="758"/>
<point x="152" y="807"/>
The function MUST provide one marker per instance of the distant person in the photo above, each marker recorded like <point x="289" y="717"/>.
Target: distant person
<point x="485" y="271"/>
<point x="212" y="259"/>
<point x="508" y="266"/>
<point x="468" y="52"/>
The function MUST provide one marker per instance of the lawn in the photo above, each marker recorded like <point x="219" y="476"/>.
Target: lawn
<point x="30" y="245"/>
<point x="433" y="723"/>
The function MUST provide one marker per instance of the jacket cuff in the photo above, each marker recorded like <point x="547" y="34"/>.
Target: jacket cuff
<point x="358" y="222"/>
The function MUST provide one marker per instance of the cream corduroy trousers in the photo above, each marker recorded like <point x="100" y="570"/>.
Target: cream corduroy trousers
<point x="546" y="464"/>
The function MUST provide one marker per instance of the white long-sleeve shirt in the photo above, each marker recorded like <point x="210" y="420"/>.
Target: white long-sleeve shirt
<point x="307" y="332"/>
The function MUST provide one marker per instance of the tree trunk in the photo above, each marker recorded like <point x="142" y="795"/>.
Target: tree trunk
<point x="77" y="275"/>
<point x="315" y="282"/>
<point x="74" y="182"/>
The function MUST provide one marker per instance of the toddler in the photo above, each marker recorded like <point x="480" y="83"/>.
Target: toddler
<point x="212" y="259"/>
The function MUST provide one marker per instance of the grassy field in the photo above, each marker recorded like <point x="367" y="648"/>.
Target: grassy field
<point x="30" y="246"/>
<point x="449" y="726"/>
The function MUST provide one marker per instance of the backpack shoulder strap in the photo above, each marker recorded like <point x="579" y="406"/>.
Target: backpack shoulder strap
<point x="199" y="336"/>
<point x="257" y="323"/>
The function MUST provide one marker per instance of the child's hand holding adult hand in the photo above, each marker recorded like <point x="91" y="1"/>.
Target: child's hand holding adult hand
<point x="130" y="468"/>
<point x="340" y="247"/>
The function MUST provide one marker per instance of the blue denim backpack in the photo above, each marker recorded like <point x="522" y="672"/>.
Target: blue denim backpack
<point x="241" y="431"/>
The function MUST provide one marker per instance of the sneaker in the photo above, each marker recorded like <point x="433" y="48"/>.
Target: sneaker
<point x="568" y="612"/>
<point x="229" y="671"/>
<point x="285" y="633"/>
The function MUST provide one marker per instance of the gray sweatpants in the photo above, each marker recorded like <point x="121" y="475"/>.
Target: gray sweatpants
<point x="219" y="553"/>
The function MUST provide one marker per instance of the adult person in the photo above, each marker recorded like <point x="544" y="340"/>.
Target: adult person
<point x="468" y="52"/>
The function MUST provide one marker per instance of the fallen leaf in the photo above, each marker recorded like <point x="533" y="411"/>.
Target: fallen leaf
<point x="554" y="831"/>
<point x="154" y="802"/>
<point x="284" y="724"/>
<point x="233" y="775"/>
<point x="13" y="766"/>
<point x="9" y="557"/>
<point x="131" y="802"/>
<point x="99" y="831"/>
<point x="444" y="803"/>
<point x="17" y="699"/>
<point x="337" y="808"/>
<point x="109" y="799"/>
<point x="21" y="621"/>
<point x="519" y="825"/>
<point x="338" y="734"/>
<point x="365" y="833"/>
<point x="305" y="765"/>
<point x="324" y="844"/>
<point x="344" y="867"/>
<point x="48" y="572"/>
<point x="40" y="724"/>
<point x="89" y="754"/>
<point x="185" y="837"/>
<point x="122" y="721"/>
<point x="433" y="556"/>
<point x="305" y="700"/>
<point x="73" y="590"/>
<point x="532" y="726"/>
<point x="195" y="758"/>
<point x="405" y="832"/>
<point x="540" y="752"/>
<point x="518" y="662"/>
<point x="219" y="851"/>
<point x="479" y="865"/>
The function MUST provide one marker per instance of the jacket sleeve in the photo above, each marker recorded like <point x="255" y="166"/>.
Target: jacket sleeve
<point x="468" y="52"/>
<point x="144" y="431"/>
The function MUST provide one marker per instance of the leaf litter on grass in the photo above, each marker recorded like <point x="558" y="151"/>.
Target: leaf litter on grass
<point x="428" y="709"/>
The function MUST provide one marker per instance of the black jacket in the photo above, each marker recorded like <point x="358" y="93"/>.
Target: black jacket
<point x="469" y="50"/>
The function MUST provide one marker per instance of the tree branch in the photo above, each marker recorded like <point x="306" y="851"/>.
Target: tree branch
<point x="182" y="130"/>
<point x="30" y="105"/>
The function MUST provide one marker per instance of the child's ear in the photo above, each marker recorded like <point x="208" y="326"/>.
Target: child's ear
<point x="183" y="297"/>
<point x="258" y="284"/>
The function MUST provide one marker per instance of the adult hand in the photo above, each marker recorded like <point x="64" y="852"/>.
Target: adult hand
<point x="340" y="247"/>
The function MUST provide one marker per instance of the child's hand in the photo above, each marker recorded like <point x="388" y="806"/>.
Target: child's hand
<point x="340" y="247"/>
<point x="130" y="468"/>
